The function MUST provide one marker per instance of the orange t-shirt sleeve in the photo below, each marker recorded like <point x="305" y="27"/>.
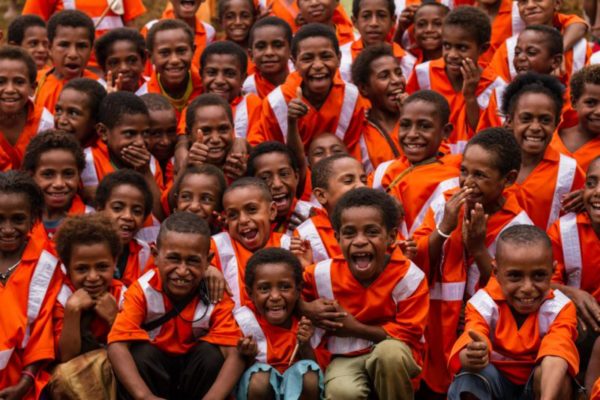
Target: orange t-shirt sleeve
<point x="262" y="129"/>
<point x="58" y="319"/>
<point x="559" y="272"/>
<point x="223" y="328"/>
<point x="133" y="9"/>
<point x="560" y="339"/>
<point x="128" y="324"/>
<point x="473" y="322"/>
<point x="563" y="21"/>
<point x="43" y="8"/>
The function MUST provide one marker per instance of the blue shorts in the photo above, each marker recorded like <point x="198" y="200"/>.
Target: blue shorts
<point x="489" y="384"/>
<point x="286" y="386"/>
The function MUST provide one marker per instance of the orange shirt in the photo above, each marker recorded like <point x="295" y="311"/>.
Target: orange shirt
<point x="258" y="85"/>
<point x="596" y="391"/>
<point x="351" y="50"/>
<point x="49" y="87"/>
<point x="146" y="301"/>
<point x="154" y="87"/>
<point x="377" y="146"/>
<point x="78" y="207"/>
<point x="515" y="351"/>
<point x="584" y="155"/>
<point x="137" y="262"/>
<point x="318" y="230"/>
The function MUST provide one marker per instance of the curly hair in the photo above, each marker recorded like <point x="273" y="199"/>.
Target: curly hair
<point x="48" y="140"/>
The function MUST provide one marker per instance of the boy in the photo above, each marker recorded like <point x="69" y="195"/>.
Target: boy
<point x="20" y="118"/>
<point x="428" y="22"/>
<point x="456" y="76"/>
<point x="71" y="36"/>
<point x="168" y="302"/>
<point x="458" y="237"/>
<point x="322" y="12"/>
<point x="377" y="345"/>
<point x="29" y="32"/>
<point x="517" y="302"/>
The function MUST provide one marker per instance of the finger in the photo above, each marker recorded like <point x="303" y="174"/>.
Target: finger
<point x="476" y="336"/>
<point x="228" y="289"/>
<point x="199" y="135"/>
<point x="299" y="93"/>
<point x="588" y="319"/>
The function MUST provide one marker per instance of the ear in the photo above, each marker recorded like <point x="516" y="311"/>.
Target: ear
<point x="102" y="131"/>
<point x="447" y="130"/>
<point x="364" y="91"/>
<point x="353" y="19"/>
<point x="511" y="177"/>
<point x="495" y="267"/>
<point x="337" y="236"/>
<point x="321" y="196"/>
<point x="392" y="234"/>
<point x="554" y="264"/>
<point x="484" y="47"/>
<point x="154" y="250"/>
<point x="508" y="122"/>
<point x="272" y="211"/>
<point x="211" y="255"/>
<point x="557" y="60"/>
<point x="557" y="4"/>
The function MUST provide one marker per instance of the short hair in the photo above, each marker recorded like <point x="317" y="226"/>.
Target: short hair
<point x="532" y="82"/>
<point x="15" y="53"/>
<point x="86" y="229"/>
<point x="367" y="197"/>
<point x="94" y="91"/>
<point x="205" y="100"/>
<point x="18" y="27"/>
<point x="225" y="48"/>
<point x="72" y="19"/>
<point x="48" y="140"/>
<point x="156" y="102"/>
<point x="474" y="21"/>
<point x="204" y="169"/>
<point x="107" y="40"/>
<point x="250" y="181"/>
<point x="433" y="3"/>
<point x="115" y="105"/>
<point x="591" y="164"/>
<point x="122" y="177"/>
<point x="361" y="67"/>
<point x="391" y="5"/>
<point x="524" y="236"/>
<point x="429" y="96"/>
<point x="552" y="37"/>
<point x="168" y="25"/>
<point x="322" y="170"/>
<point x="183" y="223"/>
<point x="221" y="4"/>
<point x="271" y="21"/>
<point x="20" y="182"/>
<point x="502" y="143"/>
<point x="266" y="148"/>
<point x="589" y="75"/>
<point x="315" y="30"/>
<point x="272" y="255"/>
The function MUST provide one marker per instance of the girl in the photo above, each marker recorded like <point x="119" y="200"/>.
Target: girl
<point x="236" y="18"/>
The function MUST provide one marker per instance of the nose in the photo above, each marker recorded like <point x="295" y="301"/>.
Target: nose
<point x="274" y="293"/>
<point x="373" y="20"/>
<point x="92" y="275"/>
<point x="72" y="52"/>
<point x="277" y="182"/>
<point x="243" y="218"/>
<point x="58" y="181"/>
<point x="126" y="214"/>
<point x="398" y="78"/>
<point x="359" y="184"/>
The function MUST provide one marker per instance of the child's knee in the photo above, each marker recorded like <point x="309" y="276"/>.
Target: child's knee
<point x="310" y="384"/>
<point x="259" y="386"/>
<point x="392" y="353"/>
<point x="345" y="388"/>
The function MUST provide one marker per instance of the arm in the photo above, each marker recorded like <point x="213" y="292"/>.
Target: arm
<point x="232" y="369"/>
<point x="181" y="151"/>
<point x="588" y="309"/>
<point x="24" y="385"/>
<point x="69" y="344"/>
<point x="573" y="34"/>
<point x="474" y="233"/>
<point x="354" y="328"/>
<point x="554" y="370"/>
<point x="297" y="109"/>
<point x="126" y="371"/>
<point x="471" y="75"/>
<point x="305" y="331"/>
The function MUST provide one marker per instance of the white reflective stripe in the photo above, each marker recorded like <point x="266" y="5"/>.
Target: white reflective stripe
<point x="155" y="305"/>
<point x="379" y="174"/>
<point x="303" y="208"/>
<point x="595" y="59"/>
<point x="511" y="44"/>
<point x="201" y="321"/>
<point x="229" y="264"/>
<point x="154" y="165"/>
<point x="408" y="284"/>
<point x="89" y="210"/>
<point x="348" y="105"/>
<point x="438" y="205"/>
<point x="345" y="345"/>
<point x="64" y="294"/>
<point x="407" y="63"/>
<point x="249" y="325"/>
<point x="483" y="100"/>
<point x="323" y="279"/>
<point x="447" y="291"/>
<point x="108" y="23"/>
<point x="210" y="32"/>
<point x="550" y="309"/>
<point x="38" y="287"/>
<point x="142" y="90"/>
<point x="499" y="94"/>
<point x="569" y="237"/>
<point x="495" y="356"/>
<point x="279" y="106"/>
<point x="121" y="298"/>
<point x="68" y="4"/>
<point x="5" y="357"/>
<point x="346" y="62"/>
<point x="263" y="4"/>
<point x="567" y="167"/>
<point x="308" y="231"/>
<point x="458" y="147"/>
<point x="579" y="55"/>
<point x="423" y="78"/>
<point x="143" y="255"/>
<point x="448" y="3"/>
<point x="89" y="176"/>
<point x="240" y="124"/>
<point x="364" y="154"/>
<point x="487" y="308"/>
<point x="472" y="278"/>
<point x="46" y="121"/>
<point x="317" y="338"/>
<point x="249" y="85"/>
<point x="285" y="241"/>
<point x="148" y="234"/>
<point x="400" y="6"/>
<point x="517" y="23"/>
<point x="150" y="24"/>
<point x="439" y="191"/>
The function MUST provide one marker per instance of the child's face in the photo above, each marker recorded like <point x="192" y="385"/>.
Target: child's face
<point x="457" y="46"/>
<point x="276" y="171"/>
<point x="200" y="195"/>
<point x="182" y="259"/>
<point x="92" y="268"/>
<point x="237" y="20"/>
<point x="15" y="87"/>
<point x="270" y="50"/>
<point x="172" y="56"/>
<point x="317" y="10"/>
<point x="524" y="274"/>
<point x="274" y="292"/>
<point x="364" y="240"/>
<point x="124" y="59"/>
<point x="129" y="131"/>
<point x="16" y="221"/>
<point x="58" y="177"/>
<point x="249" y="215"/>
<point x="317" y="63"/>
<point x="588" y="109"/>
<point x="348" y="174"/>
<point x="70" y="51"/>
<point x="591" y="192"/>
<point x="538" y="12"/>
<point x="35" y="41"/>
<point x="185" y="9"/>
<point x="323" y="146"/>
<point x="385" y="84"/>
<point x="162" y="135"/>
<point x="374" y="21"/>
<point x="533" y="54"/>
<point x="428" y="27"/>
<point x="533" y="122"/>
<point x="125" y="209"/>
<point x="222" y="75"/>
<point x="72" y="114"/>
<point x="217" y="132"/>
<point x="421" y="131"/>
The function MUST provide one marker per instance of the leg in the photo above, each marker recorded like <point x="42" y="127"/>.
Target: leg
<point x="593" y="367"/>
<point x="391" y="367"/>
<point x="347" y="379"/>
<point x="258" y="382"/>
<point x="200" y="369"/>
<point x="486" y="384"/>
<point x="303" y="380"/>
<point x="535" y="383"/>
<point x="310" y="386"/>
<point x="260" y="386"/>
<point x="155" y="368"/>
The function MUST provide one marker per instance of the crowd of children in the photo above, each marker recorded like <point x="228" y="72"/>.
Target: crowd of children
<point x="300" y="204"/>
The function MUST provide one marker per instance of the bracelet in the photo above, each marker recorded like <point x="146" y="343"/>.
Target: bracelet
<point x="29" y="374"/>
<point x="442" y="234"/>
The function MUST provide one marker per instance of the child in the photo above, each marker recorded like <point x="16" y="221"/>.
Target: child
<point x="20" y="119"/>
<point x="55" y="160"/>
<point x="29" y="32"/>
<point x="456" y="76"/>
<point x="30" y="280"/>
<point x="582" y="142"/>
<point x="71" y="36"/>
<point x="323" y="146"/>
<point x="236" y="18"/>
<point x="377" y="346"/>
<point x="169" y="341"/>
<point x="322" y="12"/>
<point x="270" y="40"/>
<point x="86" y="307"/>
<point x="458" y="237"/>
<point x="546" y="179"/>
<point x="517" y="302"/>
<point x="428" y="22"/>
<point x="77" y="108"/>
<point x="274" y="283"/>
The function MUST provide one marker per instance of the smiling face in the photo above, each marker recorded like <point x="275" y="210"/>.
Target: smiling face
<point x="129" y="131"/>
<point x="172" y="56"/>
<point x="323" y="146"/>
<point x="428" y="27"/>
<point x="538" y="12"/>
<point x="185" y="9"/>
<point x="591" y="194"/>
<point x="237" y="19"/>
<point x="222" y="75"/>
<point x="270" y="50"/>
<point x="385" y="84"/>
<point x="16" y="222"/>
<point x="317" y="63"/>
<point x="200" y="195"/>
<point x="421" y="131"/>
<point x="217" y="132"/>
<point x="274" y="293"/>
<point x="57" y="175"/>
<point x="317" y="10"/>
<point x="162" y="135"/>
<point x="348" y="174"/>
<point x="125" y="209"/>
<point x="72" y="114"/>
<point x="588" y="109"/>
<point x="92" y="268"/>
<point x="35" y="41"/>
<point x="276" y="171"/>
<point x="70" y="51"/>
<point x="533" y="54"/>
<point x="124" y="59"/>
<point x="458" y="45"/>
<point x="374" y="21"/>
<point x="15" y="87"/>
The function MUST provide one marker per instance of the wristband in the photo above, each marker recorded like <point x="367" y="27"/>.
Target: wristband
<point x="442" y="234"/>
<point x="29" y="374"/>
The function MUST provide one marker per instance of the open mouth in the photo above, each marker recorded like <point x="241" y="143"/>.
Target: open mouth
<point x="126" y="231"/>
<point x="534" y="139"/>
<point x="180" y="282"/>
<point x="281" y="201"/>
<point x="413" y="147"/>
<point x="58" y="196"/>
<point x="188" y="5"/>
<point x="594" y="206"/>
<point x="249" y="235"/>
<point x="362" y="261"/>
<point x="276" y="311"/>
<point x="72" y="67"/>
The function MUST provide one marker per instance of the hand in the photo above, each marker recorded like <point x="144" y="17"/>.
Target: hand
<point x="409" y="248"/>
<point x="107" y="308"/>
<point x="79" y="301"/>
<point x="302" y="249"/>
<point x="471" y="74"/>
<point x="350" y="325"/>
<point x="588" y="309"/>
<point x="324" y="314"/>
<point x="18" y="391"/>
<point x="216" y="284"/>
<point x="474" y="230"/>
<point x="296" y="107"/>
<point x="219" y="221"/>
<point x="113" y="85"/>
<point x="452" y="209"/>
<point x="407" y="16"/>
<point x="475" y="356"/>
<point x="305" y="331"/>
<point x="137" y="156"/>
<point x="247" y="347"/>
<point x="198" y="153"/>
<point x="572" y="202"/>
<point x="296" y="219"/>
<point x="560" y="71"/>
<point x="235" y="165"/>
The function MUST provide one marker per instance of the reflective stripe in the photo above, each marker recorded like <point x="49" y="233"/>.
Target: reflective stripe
<point x="407" y="63"/>
<point x="579" y="55"/>
<point x="150" y="24"/>
<point x="308" y="231"/>
<point x="108" y="23"/>
<point x="595" y="59"/>
<point x="142" y="90"/>
<point x="46" y="121"/>
<point x="345" y="345"/>
<point x="400" y="6"/>
<point x="155" y="305"/>
<point x="487" y="308"/>
<point x="458" y="147"/>
<point x="250" y="327"/>
<point x="249" y="85"/>
<point x="143" y="255"/>
<point x="323" y="279"/>
<point x="240" y="123"/>
<point x="517" y="23"/>
<point x="64" y="294"/>
<point x="201" y="321"/>
<point x="364" y="153"/>
<point x="567" y="167"/>
<point x="439" y="191"/>
<point x="210" y="32"/>
<point x="511" y="43"/>
<point x="229" y="264"/>
<point x="499" y="94"/>
<point x="408" y="284"/>
<point x="569" y="237"/>
<point x="121" y="298"/>
<point x="483" y="100"/>
<point x="303" y="208"/>
<point x="348" y="105"/>
<point x="89" y="176"/>
<point x="406" y="41"/>
<point x="447" y="291"/>
<point x="423" y="78"/>
<point x="550" y="309"/>
<point x="5" y="357"/>
<point x="285" y="241"/>
<point x="346" y="62"/>
<point x="68" y="4"/>
<point x="89" y="210"/>
<point x="279" y="106"/>
<point x="379" y="174"/>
